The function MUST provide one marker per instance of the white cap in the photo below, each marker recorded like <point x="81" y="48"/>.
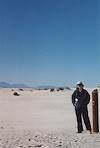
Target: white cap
<point x="80" y="83"/>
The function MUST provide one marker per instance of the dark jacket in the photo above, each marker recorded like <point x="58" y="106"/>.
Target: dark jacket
<point x="83" y="99"/>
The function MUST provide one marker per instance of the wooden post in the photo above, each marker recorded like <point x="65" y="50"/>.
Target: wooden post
<point x="95" y="111"/>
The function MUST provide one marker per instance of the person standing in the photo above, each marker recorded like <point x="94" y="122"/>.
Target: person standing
<point x="80" y="100"/>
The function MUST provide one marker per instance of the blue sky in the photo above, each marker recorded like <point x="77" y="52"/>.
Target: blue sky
<point x="49" y="42"/>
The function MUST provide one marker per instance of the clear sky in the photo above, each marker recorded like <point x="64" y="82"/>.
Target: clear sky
<point x="50" y="42"/>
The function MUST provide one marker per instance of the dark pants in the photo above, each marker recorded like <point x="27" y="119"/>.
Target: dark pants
<point x="83" y="112"/>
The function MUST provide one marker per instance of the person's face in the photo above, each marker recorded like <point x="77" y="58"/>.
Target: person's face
<point x="79" y="87"/>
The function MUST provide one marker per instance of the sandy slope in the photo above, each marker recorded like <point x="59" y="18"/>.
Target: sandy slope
<point x="41" y="119"/>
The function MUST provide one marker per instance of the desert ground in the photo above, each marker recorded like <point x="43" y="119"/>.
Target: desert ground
<point x="40" y="118"/>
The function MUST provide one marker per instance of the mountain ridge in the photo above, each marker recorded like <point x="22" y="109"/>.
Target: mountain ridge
<point x="15" y="85"/>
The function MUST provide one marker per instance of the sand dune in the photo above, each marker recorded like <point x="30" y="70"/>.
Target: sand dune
<point x="41" y="119"/>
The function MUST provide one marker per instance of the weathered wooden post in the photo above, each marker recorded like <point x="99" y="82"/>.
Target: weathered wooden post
<point x="95" y="111"/>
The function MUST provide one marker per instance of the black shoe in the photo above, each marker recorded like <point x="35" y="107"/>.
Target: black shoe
<point x="79" y="132"/>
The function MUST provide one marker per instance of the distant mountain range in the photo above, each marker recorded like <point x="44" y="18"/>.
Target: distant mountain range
<point x="46" y="86"/>
<point x="21" y="85"/>
<point x="50" y="87"/>
<point x="7" y="85"/>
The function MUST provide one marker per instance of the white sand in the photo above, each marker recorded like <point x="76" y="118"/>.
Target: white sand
<point x="41" y="119"/>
